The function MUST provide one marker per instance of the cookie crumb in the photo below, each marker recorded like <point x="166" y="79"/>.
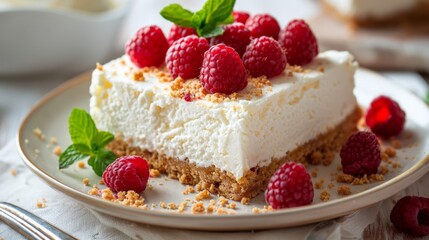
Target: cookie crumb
<point x="38" y="132"/>
<point x="319" y="184"/>
<point x="94" y="191"/>
<point x="344" y="190"/>
<point x="172" y="206"/>
<point x="162" y="204"/>
<point x="13" y="172"/>
<point x="203" y="195"/>
<point x="85" y="181"/>
<point x="390" y="151"/>
<point x="188" y="190"/>
<point x="325" y="196"/>
<point x="81" y="164"/>
<point x="232" y="205"/>
<point x="57" y="150"/>
<point x="223" y="201"/>
<point x="344" y="178"/>
<point x="245" y="201"/>
<point x="41" y="204"/>
<point x="396" y="143"/>
<point x="198" y="207"/>
<point x="331" y="185"/>
<point x="53" y="140"/>
<point x="101" y="182"/>
<point x="154" y="173"/>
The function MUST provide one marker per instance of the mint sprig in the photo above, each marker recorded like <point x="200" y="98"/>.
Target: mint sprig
<point x="88" y="141"/>
<point x="207" y="21"/>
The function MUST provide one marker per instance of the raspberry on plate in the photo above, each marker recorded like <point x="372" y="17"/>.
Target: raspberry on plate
<point x="411" y="215"/>
<point x="290" y="186"/>
<point x="264" y="56"/>
<point x="240" y="17"/>
<point x="185" y="56"/>
<point x="360" y="154"/>
<point x="263" y="25"/>
<point x="177" y="32"/>
<point x="385" y="117"/>
<point x="236" y="35"/>
<point x="127" y="173"/>
<point x="222" y="70"/>
<point x="299" y="42"/>
<point x="147" y="47"/>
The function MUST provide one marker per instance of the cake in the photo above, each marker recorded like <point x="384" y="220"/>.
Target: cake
<point x="380" y="13"/>
<point x="227" y="144"/>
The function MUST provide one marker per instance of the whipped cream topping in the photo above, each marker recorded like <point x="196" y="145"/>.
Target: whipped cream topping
<point x="231" y="135"/>
<point x="373" y="8"/>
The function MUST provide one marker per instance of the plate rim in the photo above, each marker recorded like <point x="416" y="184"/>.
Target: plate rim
<point x="101" y="205"/>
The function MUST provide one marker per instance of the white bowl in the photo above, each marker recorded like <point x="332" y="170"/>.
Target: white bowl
<point x="47" y="40"/>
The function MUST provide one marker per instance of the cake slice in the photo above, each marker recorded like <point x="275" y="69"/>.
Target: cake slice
<point x="380" y="13"/>
<point x="228" y="144"/>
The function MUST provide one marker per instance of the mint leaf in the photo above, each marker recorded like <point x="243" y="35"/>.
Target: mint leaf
<point x="70" y="156"/>
<point x="100" y="161"/>
<point x="178" y="15"/>
<point x="87" y="142"/>
<point x="206" y="21"/>
<point x="218" y="10"/>
<point x="81" y="127"/>
<point x="212" y="32"/>
<point x="103" y="138"/>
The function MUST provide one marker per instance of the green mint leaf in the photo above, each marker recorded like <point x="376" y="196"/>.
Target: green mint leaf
<point x="103" y="138"/>
<point x="70" y="156"/>
<point x="100" y="161"/>
<point x="81" y="127"/>
<point x="228" y="20"/>
<point x="218" y="10"/>
<point x="198" y="20"/>
<point x="178" y="15"/>
<point x="212" y="32"/>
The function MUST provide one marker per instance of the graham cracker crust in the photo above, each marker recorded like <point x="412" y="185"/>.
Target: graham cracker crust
<point x="417" y="16"/>
<point x="255" y="180"/>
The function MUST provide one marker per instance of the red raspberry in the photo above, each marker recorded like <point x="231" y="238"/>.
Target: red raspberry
<point x="127" y="173"/>
<point x="185" y="56"/>
<point x="236" y="35"/>
<point x="240" y="17"/>
<point x="264" y="56"/>
<point x="361" y="154"/>
<point x="222" y="70"/>
<point x="263" y="25"/>
<point x="385" y="117"/>
<point x="299" y="42"/>
<point x="148" y="47"/>
<point x="290" y="186"/>
<point x="177" y="32"/>
<point x="411" y="215"/>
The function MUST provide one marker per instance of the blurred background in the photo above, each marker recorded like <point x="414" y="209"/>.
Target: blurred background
<point x="45" y="42"/>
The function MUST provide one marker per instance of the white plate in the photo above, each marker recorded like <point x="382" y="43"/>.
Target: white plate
<point x="51" y="116"/>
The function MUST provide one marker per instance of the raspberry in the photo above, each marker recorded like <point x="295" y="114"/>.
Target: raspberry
<point x="148" y="47"/>
<point x="222" y="70"/>
<point x="411" y="215"/>
<point x="263" y="25"/>
<point x="127" y="173"/>
<point x="361" y="155"/>
<point x="177" y="32"/>
<point x="185" y="56"/>
<point x="264" y="56"/>
<point x="240" y="17"/>
<point x="290" y="186"/>
<point x="299" y="42"/>
<point x="385" y="117"/>
<point x="236" y="35"/>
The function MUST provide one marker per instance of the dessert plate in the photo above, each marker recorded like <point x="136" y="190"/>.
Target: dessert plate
<point x="51" y="116"/>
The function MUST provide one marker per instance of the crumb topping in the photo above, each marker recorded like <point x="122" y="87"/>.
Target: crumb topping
<point x="154" y="173"/>
<point x="344" y="190"/>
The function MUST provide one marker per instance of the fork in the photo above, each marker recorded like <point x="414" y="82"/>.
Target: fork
<point x="30" y="225"/>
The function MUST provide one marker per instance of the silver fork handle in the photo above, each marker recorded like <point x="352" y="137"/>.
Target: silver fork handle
<point x="30" y="225"/>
